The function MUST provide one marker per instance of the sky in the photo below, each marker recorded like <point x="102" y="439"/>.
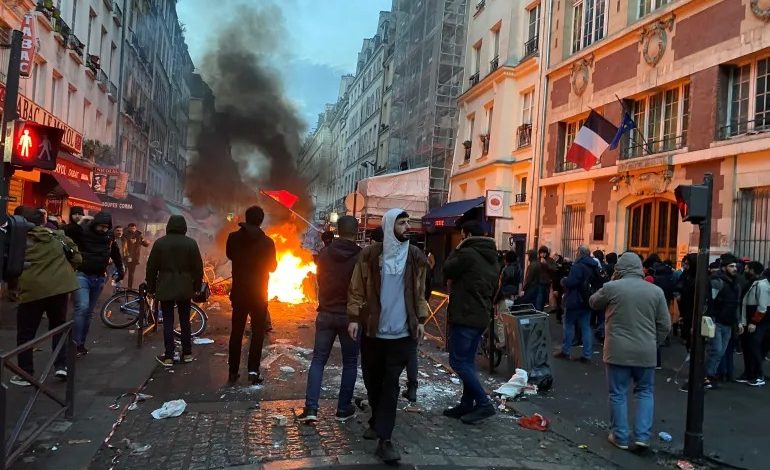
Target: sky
<point x="323" y="39"/>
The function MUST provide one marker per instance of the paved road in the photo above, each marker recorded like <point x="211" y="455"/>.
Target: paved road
<point x="235" y="427"/>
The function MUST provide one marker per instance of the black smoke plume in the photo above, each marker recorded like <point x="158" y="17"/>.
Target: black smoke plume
<point x="254" y="138"/>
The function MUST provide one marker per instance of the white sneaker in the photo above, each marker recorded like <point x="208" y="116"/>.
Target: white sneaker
<point x="16" y="380"/>
<point x="61" y="373"/>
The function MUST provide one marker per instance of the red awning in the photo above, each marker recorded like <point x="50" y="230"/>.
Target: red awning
<point x="78" y="192"/>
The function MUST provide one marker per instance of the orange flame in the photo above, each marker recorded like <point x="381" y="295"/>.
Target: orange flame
<point x="288" y="282"/>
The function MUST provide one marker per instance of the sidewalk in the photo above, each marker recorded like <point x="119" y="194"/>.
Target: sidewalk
<point x="113" y="366"/>
<point x="735" y="414"/>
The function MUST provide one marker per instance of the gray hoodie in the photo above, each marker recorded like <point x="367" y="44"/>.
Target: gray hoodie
<point x="637" y="316"/>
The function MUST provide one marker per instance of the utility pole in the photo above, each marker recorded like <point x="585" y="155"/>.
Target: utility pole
<point x="695" y="204"/>
<point x="10" y="114"/>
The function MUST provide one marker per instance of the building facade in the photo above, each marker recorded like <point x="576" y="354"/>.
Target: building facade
<point x="493" y="149"/>
<point x="694" y="77"/>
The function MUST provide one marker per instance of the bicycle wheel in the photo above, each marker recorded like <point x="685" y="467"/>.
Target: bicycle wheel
<point x="121" y="310"/>
<point x="198" y="322"/>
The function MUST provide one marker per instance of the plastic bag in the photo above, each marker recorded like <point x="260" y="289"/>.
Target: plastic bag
<point x="170" y="409"/>
<point x="515" y="386"/>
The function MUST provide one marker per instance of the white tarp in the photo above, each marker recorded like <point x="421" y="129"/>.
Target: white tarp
<point x="407" y="190"/>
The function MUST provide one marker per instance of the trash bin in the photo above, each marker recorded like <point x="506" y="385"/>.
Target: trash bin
<point x="527" y="342"/>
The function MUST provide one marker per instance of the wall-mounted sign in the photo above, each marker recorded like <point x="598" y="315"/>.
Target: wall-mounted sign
<point x="28" y="43"/>
<point x="111" y="182"/>
<point x="495" y="204"/>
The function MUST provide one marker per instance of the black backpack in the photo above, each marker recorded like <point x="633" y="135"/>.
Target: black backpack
<point x="592" y="282"/>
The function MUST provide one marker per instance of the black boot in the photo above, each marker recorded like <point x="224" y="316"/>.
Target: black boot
<point x="411" y="392"/>
<point x="479" y="413"/>
<point x="387" y="452"/>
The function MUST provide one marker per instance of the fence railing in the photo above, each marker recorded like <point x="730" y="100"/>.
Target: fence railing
<point x="737" y="128"/>
<point x="10" y="446"/>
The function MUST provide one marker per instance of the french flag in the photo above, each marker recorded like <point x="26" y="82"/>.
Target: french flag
<point x="591" y="141"/>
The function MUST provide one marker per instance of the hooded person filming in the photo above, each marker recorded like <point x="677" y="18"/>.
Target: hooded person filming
<point x="386" y="302"/>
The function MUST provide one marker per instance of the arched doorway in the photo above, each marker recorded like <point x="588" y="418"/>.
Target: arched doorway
<point x="652" y="228"/>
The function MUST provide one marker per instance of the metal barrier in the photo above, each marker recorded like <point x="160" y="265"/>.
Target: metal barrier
<point x="9" y="450"/>
<point x="432" y="318"/>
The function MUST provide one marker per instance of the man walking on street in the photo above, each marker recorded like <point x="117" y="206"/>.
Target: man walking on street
<point x="42" y="289"/>
<point x="134" y="242"/>
<point x="386" y="302"/>
<point x="583" y="274"/>
<point x="97" y="246"/>
<point x="754" y="314"/>
<point x="473" y="270"/>
<point x="335" y="268"/>
<point x="174" y="274"/>
<point x="637" y="321"/>
<point x="253" y="256"/>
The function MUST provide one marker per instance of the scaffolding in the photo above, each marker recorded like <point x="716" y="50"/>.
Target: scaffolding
<point x="428" y="65"/>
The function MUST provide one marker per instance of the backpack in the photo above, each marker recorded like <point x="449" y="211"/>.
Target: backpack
<point x="591" y="283"/>
<point x="666" y="280"/>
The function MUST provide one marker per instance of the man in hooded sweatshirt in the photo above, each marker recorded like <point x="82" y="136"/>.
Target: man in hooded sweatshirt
<point x="578" y="312"/>
<point x="636" y="322"/>
<point x="473" y="270"/>
<point x="252" y="253"/>
<point x="96" y="243"/>
<point x="335" y="268"/>
<point x="174" y="274"/>
<point x="386" y="302"/>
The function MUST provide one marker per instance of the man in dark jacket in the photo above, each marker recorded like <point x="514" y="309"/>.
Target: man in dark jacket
<point x="335" y="268"/>
<point x="725" y="310"/>
<point x="174" y="274"/>
<point x="76" y="216"/>
<point x="253" y="256"/>
<point x="133" y="241"/>
<point x="97" y="246"/>
<point x="578" y="313"/>
<point x="473" y="269"/>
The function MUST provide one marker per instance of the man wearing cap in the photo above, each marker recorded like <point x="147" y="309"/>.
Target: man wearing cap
<point x="725" y="310"/>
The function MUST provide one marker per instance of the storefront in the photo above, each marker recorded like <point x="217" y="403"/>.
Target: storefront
<point x="67" y="186"/>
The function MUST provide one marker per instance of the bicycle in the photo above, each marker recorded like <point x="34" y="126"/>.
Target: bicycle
<point x="121" y="310"/>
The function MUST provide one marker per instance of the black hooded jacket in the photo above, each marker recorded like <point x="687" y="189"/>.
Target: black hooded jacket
<point x="175" y="267"/>
<point x="335" y="268"/>
<point x="253" y="256"/>
<point x="473" y="269"/>
<point x="96" y="248"/>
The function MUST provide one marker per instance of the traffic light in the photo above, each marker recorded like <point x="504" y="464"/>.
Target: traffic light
<point x="692" y="202"/>
<point x="15" y="230"/>
<point x="32" y="145"/>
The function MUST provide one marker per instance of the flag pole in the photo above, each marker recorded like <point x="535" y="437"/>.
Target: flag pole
<point x="261" y="191"/>
<point x="636" y="127"/>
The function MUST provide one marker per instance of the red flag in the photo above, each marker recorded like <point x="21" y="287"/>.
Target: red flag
<point x="283" y="197"/>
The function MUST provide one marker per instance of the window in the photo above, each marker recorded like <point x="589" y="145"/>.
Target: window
<point x="495" y="62"/>
<point x="74" y="14"/>
<point x="533" y="31"/>
<point x="526" y="107"/>
<point x="663" y="120"/>
<point x="521" y="196"/>
<point x="752" y="238"/>
<point x="91" y="16"/>
<point x="570" y="131"/>
<point x="748" y="99"/>
<point x="588" y="22"/>
<point x="70" y="113"/>
<point x="647" y="6"/>
<point x="524" y="131"/>
<point x="573" y="225"/>
<point x="55" y="85"/>
<point x="477" y="57"/>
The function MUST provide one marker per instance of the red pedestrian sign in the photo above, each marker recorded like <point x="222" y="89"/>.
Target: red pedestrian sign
<point x="32" y="145"/>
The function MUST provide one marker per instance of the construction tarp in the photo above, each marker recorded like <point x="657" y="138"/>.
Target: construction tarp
<point x="406" y="190"/>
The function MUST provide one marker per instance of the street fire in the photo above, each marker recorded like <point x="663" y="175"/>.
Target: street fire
<point x="290" y="281"/>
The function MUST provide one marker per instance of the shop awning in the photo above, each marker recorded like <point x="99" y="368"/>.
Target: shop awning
<point x="78" y="192"/>
<point x="448" y="214"/>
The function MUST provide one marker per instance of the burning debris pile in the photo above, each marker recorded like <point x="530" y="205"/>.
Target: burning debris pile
<point x="293" y="281"/>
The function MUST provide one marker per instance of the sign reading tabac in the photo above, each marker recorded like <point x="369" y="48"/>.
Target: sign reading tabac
<point x="28" y="43"/>
<point x="28" y="110"/>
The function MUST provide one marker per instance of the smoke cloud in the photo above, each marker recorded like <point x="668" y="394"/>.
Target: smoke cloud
<point x="255" y="137"/>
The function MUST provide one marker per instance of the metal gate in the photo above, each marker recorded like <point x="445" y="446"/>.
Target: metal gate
<point x="752" y="224"/>
<point x="573" y="230"/>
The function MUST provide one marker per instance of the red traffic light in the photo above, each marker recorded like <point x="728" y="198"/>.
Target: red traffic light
<point x="33" y="145"/>
<point x="692" y="202"/>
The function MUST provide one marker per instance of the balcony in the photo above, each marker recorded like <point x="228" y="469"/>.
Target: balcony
<point x="563" y="165"/>
<point x="524" y="136"/>
<point x="468" y="146"/>
<point x="92" y="64"/>
<point x="62" y="32"/>
<point x="744" y="128"/>
<point x="474" y="80"/>
<point x="112" y="94"/>
<point x="47" y="8"/>
<point x="521" y="198"/>
<point x="103" y="80"/>
<point x="77" y="48"/>
<point x="485" y="139"/>
<point x="384" y="128"/>
<point x="651" y="147"/>
<point x="117" y="14"/>
<point x="494" y="64"/>
<point x="480" y="6"/>
<point x="530" y="47"/>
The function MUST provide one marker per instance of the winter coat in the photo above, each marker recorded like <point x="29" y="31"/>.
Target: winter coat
<point x="755" y="303"/>
<point x="47" y="272"/>
<point x="335" y="268"/>
<point x="726" y="299"/>
<point x="175" y="267"/>
<point x="365" y="285"/>
<point x="510" y="279"/>
<point x="253" y="257"/>
<point x="473" y="270"/>
<point x="636" y="315"/>
<point x="97" y="249"/>
<point x="133" y="246"/>
<point x="573" y="283"/>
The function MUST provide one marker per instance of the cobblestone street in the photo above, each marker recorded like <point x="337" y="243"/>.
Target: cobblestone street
<point x="226" y="427"/>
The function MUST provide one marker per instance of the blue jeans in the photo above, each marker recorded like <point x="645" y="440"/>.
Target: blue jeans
<point x="84" y="300"/>
<point x="726" y="366"/>
<point x="581" y="319"/>
<point x="463" y="345"/>
<point x="716" y="348"/>
<point x="618" y="381"/>
<point x="327" y="327"/>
